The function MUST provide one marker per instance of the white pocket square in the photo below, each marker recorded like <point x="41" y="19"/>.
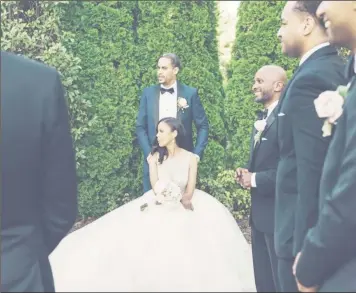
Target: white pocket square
<point x="281" y="114"/>
<point x="263" y="139"/>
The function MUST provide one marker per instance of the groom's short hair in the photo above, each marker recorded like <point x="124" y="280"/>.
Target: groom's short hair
<point x="174" y="59"/>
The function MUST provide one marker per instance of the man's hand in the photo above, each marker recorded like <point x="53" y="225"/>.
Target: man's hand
<point x="238" y="174"/>
<point x="301" y="288"/>
<point x="296" y="263"/>
<point x="149" y="157"/>
<point x="246" y="179"/>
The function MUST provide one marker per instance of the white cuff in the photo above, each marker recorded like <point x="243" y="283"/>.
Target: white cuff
<point x="253" y="180"/>
<point x="197" y="157"/>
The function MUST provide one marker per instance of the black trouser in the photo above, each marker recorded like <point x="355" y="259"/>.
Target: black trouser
<point x="264" y="261"/>
<point x="286" y="278"/>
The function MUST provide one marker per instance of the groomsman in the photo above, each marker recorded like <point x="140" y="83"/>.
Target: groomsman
<point x="328" y="257"/>
<point x="260" y="176"/>
<point x="302" y="145"/>
<point x="39" y="189"/>
<point x="170" y="99"/>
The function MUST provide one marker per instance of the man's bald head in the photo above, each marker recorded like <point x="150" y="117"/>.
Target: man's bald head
<point x="269" y="82"/>
<point x="275" y="73"/>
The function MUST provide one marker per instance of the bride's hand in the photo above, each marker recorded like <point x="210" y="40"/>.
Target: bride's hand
<point x="187" y="204"/>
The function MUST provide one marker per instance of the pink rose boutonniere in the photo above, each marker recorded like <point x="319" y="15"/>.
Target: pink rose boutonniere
<point x="182" y="104"/>
<point x="329" y="106"/>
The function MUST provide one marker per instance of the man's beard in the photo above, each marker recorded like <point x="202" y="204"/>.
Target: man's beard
<point x="339" y="36"/>
<point x="263" y="99"/>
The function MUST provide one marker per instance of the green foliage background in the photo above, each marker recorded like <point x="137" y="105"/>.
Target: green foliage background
<point x="106" y="52"/>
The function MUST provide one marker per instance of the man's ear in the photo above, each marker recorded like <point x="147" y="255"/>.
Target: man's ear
<point x="176" y="70"/>
<point x="309" y="24"/>
<point x="278" y="86"/>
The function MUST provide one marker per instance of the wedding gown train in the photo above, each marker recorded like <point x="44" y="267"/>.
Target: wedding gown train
<point x="163" y="248"/>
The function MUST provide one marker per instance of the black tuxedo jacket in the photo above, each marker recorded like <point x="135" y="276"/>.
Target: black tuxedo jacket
<point x="263" y="161"/>
<point x="302" y="148"/>
<point x="38" y="173"/>
<point x="329" y="251"/>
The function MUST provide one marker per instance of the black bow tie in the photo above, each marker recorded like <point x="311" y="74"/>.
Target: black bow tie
<point x="262" y="114"/>
<point x="163" y="90"/>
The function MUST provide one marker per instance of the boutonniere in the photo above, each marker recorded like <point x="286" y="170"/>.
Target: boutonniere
<point x="182" y="104"/>
<point x="260" y="125"/>
<point x="329" y="105"/>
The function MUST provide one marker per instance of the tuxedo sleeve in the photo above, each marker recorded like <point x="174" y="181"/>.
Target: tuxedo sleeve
<point x="59" y="168"/>
<point x="332" y="242"/>
<point x="201" y="123"/>
<point x="266" y="181"/>
<point x="310" y="150"/>
<point x="141" y="126"/>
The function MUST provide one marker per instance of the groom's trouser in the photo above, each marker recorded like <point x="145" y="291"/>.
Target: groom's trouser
<point x="286" y="278"/>
<point x="146" y="177"/>
<point x="265" y="262"/>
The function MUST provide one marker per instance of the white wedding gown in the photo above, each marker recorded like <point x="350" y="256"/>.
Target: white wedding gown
<point x="163" y="248"/>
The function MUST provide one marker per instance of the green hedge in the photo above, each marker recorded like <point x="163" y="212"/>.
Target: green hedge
<point x="256" y="45"/>
<point x="187" y="28"/>
<point x="104" y="41"/>
<point x="32" y="30"/>
<point x="106" y="52"/>
<point x="118" y="43"/>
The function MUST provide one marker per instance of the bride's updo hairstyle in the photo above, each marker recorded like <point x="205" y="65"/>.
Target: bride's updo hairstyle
<point x="174" y="124"/>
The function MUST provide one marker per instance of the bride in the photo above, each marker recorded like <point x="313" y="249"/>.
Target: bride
<point x="173" y="238"/>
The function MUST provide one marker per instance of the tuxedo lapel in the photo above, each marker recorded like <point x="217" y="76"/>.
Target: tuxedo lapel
<point x="328" y="50"/>
<point x="350" y="73"/>
<point x="270" y="120"/>
<point x="180" y="94"/>
<point x="349" y="70"/>
<point x="156" y="105"/>
<point x="285" y="90"/>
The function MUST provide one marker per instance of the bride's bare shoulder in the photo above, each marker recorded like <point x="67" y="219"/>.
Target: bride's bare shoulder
<point x="187" y="153"/>
<point x="191" y="157"/>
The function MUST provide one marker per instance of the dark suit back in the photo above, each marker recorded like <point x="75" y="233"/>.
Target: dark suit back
<point x="302" y="148"/>
<point x="38" y="173"/>
<point x="344" y="260"/>
<point x="263" y="161"/>
<point x="329" y="252"/>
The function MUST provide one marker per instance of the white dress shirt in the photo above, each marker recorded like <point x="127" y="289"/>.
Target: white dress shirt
<point x="311" y="51"/>
<point x="168" y="103"/>
<point x="269" y="111"/>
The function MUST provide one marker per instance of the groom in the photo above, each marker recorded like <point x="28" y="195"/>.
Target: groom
<point x="170" y="99"/>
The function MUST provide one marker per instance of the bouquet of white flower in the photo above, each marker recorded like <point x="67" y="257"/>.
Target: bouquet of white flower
<point x="167" y="192"/>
